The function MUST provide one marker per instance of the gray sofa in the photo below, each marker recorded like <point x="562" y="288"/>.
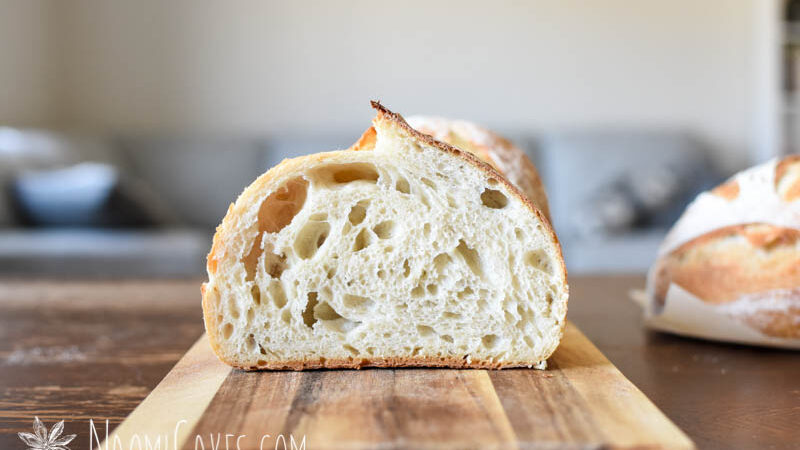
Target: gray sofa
<point x="596" y="181"/>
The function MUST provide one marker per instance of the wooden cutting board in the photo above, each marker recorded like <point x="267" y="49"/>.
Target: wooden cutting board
<point x="581" y="400"/>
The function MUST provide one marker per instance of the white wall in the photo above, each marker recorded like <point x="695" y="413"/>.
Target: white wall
<point x="252" y="66"/>
<point x="27" y="78"/>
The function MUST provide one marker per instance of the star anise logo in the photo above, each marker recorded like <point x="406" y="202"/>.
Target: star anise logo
<point x="43" y="440"/>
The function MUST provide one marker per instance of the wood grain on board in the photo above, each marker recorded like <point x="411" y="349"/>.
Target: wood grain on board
<point x="76" y="350"/>
<point x="582" y="400"/>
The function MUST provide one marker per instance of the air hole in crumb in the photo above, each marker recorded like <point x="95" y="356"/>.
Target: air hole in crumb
<point x="406" y="269"/>
<point x="261" y="363"/>
<point x="426" y="229"/>
<point x="447" y="338"/>
<point x="381" y="274"/>
<point x="441" y="261"/>
<point x="348" y="173"/>
<point x="275" y="213"/>
<point x="312" y="236"/>
<point x="357" y="302"/>
<point x="424" y="200"/>
<point x="227" y="330"/>
<point x="471" y="257"/>
<point x="281" y="206"/>
<point x="493" y="181"/>
<point x="286" y="316"/>
<point x="371" y="350"/>
<point x="213" y="297"/>
<point x="528" y="341"/>
<point x="518" y="234"/>
<point x="324" y="311"/>
<point x="308" y="314"/>
<point x="232" y="308"/>
<point x="251" y="315"/>
<point x="362" y="241"/>
<point x="433" y="289"/>
<point x="482" y="305"/>
<point x="358" y="212"/>
<point x="261" y="350"/>
<point x="464" y="293"/>
<point x="255" y="292"/>
<point x="451" y="202"/>
<point x="250" y="342"/>
<point x="250" y="261"/>
<point x="451" y="315"/>
<point x="277" y="293"/>
<point x="275" y="264"/>
<point x="384" y="230"/>
<point x="425" y="331"/>
<point x="354" y="351"/>
<point x="490" y="341"/>
<point x="539" y="260"/>
<point x="494" y="199"/>
<point x="402" y="185"/>
<point x="418" y="291"/>
<point x="429" y="183"/>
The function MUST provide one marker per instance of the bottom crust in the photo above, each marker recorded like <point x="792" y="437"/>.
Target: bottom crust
<point x="399" y="362"/>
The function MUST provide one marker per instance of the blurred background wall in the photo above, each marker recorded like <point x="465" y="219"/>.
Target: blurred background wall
<point x="250" y="66"/>
<point x="628" y="107"/>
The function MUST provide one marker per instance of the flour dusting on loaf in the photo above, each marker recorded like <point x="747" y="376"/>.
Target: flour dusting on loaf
<point x="736" y="248"/>
<point x="400" y="251"/>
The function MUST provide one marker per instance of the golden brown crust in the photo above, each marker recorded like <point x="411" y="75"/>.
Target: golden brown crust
<point x="366" y="142"/>
<point x="728" y="190"/>
<point x="358" y="363"/>
<point x="719" y="268"/>
<point x="732" y="263"/>
<point x="209" y="298"/>
<point x="787" y="178"/>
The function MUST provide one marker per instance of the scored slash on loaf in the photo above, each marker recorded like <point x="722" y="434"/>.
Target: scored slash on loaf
<point x="730" y="267"/>
<point x="399" y="251"/>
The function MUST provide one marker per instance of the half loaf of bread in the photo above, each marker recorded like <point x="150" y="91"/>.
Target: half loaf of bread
<point x="400" y="251"/>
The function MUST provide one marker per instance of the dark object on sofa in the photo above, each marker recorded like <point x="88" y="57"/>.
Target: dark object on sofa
<point x="91" y="195"/>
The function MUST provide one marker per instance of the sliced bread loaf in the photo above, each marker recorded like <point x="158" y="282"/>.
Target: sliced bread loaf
<point x="400" y="251"/>
<point x="492" y="148"/>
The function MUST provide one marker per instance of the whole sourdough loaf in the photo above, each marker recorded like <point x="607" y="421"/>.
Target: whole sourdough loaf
<point x="736" y="250"/>
<point x="400" y="251"/>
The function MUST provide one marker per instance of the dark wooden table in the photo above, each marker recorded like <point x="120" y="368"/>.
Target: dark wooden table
<point x="93" y="350"/>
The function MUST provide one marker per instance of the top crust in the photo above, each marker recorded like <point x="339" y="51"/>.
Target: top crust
<point x="397" y="119"/>
<point x="225" y="242"/>
<point x="787" y="178"/>
<point x="728" y="190"/>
